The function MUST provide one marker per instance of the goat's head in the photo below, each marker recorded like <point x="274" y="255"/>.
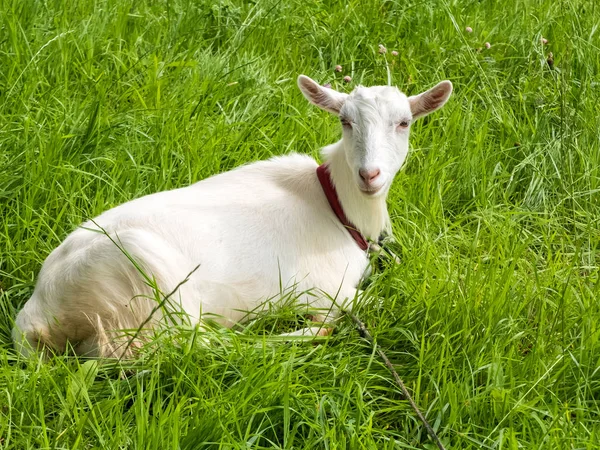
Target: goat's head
<point x="376" y="123"/>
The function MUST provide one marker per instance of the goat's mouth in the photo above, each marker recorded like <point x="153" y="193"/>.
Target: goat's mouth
<point x="370" y="190"/>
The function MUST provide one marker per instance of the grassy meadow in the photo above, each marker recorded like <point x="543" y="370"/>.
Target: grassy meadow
<point x="492" y="319"/>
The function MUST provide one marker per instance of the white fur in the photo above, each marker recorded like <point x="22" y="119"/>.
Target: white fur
<point x="252" y="231"/>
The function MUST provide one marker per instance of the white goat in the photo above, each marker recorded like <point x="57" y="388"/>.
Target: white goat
<point x="251" y="231"/>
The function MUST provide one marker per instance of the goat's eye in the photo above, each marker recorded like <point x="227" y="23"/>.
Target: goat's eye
<point x="403" y="124"/>
<point x="346" y="123"/>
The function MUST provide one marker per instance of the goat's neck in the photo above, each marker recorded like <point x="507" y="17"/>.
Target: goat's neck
<point x="368" y="214"/>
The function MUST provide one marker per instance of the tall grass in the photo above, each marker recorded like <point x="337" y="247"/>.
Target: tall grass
<point x="492" y="316"/>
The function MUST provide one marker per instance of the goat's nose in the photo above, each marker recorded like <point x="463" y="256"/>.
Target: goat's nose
<point x="369" y="176"/>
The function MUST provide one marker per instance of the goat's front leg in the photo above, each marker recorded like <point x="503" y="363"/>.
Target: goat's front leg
<point x="325" y="327"/>
<point x="324" y="320"/>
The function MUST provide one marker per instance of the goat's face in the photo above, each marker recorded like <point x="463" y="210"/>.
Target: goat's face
<point x="376" y="123"/>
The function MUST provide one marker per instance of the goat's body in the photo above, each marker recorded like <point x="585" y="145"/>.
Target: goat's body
<point x="252" y="231"/>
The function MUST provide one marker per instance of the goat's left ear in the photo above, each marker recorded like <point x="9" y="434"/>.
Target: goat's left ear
<point x="325" y="98"/>
<point x="429" y="101"/>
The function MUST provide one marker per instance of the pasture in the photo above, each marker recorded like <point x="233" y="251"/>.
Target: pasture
<point x="492" y="316"/>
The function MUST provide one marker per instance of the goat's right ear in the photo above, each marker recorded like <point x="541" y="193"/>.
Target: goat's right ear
<point x="325" y="98"/>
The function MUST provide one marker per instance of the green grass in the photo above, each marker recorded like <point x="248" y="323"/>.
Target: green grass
<point x="492" y="319"/>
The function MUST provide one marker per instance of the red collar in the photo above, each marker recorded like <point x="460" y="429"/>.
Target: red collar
<point x="332" y="197"/>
